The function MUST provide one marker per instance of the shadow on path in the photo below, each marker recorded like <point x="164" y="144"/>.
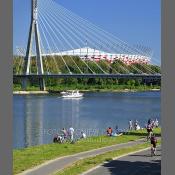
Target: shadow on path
<point x="120" y="167"/>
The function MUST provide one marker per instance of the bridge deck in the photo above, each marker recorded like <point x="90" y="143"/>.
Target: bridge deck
<point x="129" y="76"/>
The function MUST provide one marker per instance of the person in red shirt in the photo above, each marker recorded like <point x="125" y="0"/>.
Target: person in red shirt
<point x="109" y="131"/>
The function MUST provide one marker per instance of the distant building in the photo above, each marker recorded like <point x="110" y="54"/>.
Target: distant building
<point x="88" y="53"/>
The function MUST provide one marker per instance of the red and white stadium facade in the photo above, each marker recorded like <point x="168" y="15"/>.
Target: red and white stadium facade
<point x="88" y="53"/>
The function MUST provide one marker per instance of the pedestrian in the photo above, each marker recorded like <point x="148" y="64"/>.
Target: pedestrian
<point x="116" y="129"/>
<point x="135" y="124"/>
<point x="156" y="123"/>
<point x="149" y="121"/>
<point x="153" y="123"/>
<point x="71" y="133"/>
<point x="130" y="125"/>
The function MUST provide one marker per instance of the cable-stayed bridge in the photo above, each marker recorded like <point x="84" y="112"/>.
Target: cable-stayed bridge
<point x="61" y="44"/>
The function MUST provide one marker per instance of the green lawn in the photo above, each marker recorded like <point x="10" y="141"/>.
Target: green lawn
<point x="29" y="157"/>
<point x="88" y="163"/>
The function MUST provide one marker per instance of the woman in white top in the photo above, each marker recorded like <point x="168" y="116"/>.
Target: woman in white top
<point x="71" y="133"/>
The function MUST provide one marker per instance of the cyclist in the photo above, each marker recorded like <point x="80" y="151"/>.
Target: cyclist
<point x="58" y="139"/>
<point x="149" y="130"/>
<point x="154" y="144"/>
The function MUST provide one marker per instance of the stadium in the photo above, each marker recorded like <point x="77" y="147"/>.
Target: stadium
<point x="91" y="54"/>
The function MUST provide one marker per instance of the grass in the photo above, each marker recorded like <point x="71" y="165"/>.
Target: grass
<point x="88" y="163"/>
<point x="32" y="156"/>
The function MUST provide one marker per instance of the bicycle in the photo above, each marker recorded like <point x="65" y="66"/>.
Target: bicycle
<point x="149" y="136"/>
<point x="60" y="139"/>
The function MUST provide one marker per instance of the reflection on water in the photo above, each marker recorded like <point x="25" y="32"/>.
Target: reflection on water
<point x="33" y="119"/>
<point x="37" y="118"/>
<point x="28" y="121"/>
<point x="71" y="112"/>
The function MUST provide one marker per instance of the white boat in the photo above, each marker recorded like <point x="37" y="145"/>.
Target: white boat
<point x="62" y="93"/>
<point x="72" y="94"/>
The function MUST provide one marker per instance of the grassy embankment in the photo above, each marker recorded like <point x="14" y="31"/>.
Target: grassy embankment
<point x="88" y="163"/>
<point x="29" y="157"/>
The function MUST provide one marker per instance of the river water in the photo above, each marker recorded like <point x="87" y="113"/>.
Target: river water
<point x="36" y="118"/>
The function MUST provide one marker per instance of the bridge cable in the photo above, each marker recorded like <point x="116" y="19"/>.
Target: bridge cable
<point x="87" y="66"/>
<point x="95" y="62"/>
<point x="98" y="66"/>
<point x="135" y="68"/>
<point x="95" y="32"/>
<point x="41" y="22"/>
<point x="57" y="47"/>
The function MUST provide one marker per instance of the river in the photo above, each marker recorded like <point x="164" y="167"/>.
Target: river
<point x="36" y="118"/>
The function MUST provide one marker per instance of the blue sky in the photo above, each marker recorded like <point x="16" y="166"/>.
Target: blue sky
<point x="133" y="21"/>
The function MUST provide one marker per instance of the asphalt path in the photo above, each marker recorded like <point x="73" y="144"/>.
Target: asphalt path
<point x="58" y="164"/>
<point x="135" y="164"/>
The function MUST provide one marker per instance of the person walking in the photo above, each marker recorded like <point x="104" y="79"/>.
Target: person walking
<point x="130" y="125"/>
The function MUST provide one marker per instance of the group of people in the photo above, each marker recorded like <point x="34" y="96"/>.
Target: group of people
<point x="67" y="135"/>
<point x="151" y="124"/>
<point x="134" y="125"/>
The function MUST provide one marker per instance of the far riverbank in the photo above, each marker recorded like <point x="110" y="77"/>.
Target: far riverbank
<point x="58" y="89"/>
<point x="94" y="90"/>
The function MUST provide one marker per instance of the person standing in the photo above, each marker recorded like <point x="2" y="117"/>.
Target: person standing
<point x="130" y="125"/>
<point x="71" y="133"/>
<point x="156" y="123"/>
<point x="149" y="121"/>
<point x="135" y="124"/>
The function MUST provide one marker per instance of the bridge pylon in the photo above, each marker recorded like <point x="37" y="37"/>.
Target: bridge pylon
<point x="33" y="33"/>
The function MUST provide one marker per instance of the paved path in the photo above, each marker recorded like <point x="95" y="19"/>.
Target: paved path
<point x="58" y="164"/>
<point x="136" y="164"/>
